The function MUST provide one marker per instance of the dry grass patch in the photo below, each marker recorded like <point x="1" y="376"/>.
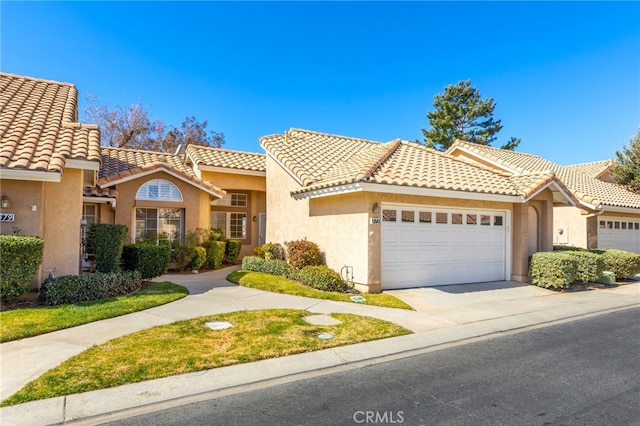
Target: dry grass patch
<point x="189" y="346"/>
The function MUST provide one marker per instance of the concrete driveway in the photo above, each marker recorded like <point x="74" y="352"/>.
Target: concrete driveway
<point x="425" y="299"/>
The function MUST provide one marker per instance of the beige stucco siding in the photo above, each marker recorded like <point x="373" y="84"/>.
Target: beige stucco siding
<point x="62" y="213"/>
<point x="235" y="181"/>
<point x="22" y="195"/>
<point x="573" y="223"/>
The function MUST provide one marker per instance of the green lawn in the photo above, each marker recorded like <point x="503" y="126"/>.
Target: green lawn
<point x="278" y="284"/>
<point x="190" y="345"/>
<point x="20" y="323"/>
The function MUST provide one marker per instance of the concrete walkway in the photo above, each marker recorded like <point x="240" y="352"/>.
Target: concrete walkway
<point x="444" y="315"/>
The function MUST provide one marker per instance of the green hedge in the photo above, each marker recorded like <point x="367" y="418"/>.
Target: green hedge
<point x="198" y="258"/>
<point x="268" y="266"/>
<point x="270" y="251"/>
<point x="321" y="278"/>
<point x="623" y="264"/>
<point x="150" y="259"/>
<point x="106" y="241"/>
<point x="214" y="253"/>
<point x="81" y="288"/>
<point x="232" y="251"/>
<point x="553" y="269"/>
<point x="20" y="258"/>
<point x="589" y="265"/>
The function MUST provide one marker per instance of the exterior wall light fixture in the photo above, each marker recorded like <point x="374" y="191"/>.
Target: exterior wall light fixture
<point x="376" y="208"/>
<point x="5" y="203"/>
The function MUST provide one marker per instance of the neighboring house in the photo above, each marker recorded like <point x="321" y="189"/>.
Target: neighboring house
<point x="56" y="180"/>
<point x="608" y="215"/>
<point x="46" y="158"/>
<point x="398" y="214"/>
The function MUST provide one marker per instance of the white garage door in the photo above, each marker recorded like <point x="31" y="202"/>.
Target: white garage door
<point x="425" y="246"/>
<point x="619" y="233"/>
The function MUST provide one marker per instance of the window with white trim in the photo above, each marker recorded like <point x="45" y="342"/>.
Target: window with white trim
<point x="232" y="199"/>
<point x="231" y="224"/>
<point x="159" y="189"/>
<point x="158" y="226"/>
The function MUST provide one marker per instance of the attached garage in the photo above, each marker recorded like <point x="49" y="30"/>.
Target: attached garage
<point x="429" y="246"/>
<point x="619" y="233"/>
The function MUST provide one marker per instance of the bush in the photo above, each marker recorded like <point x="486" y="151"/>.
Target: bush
<point x="268" y="266"/>
<point x="232" y="251"/>
<point x="82" y="288"/>
<point x="607" y="277"/>
<point x="20" y="258"/>
<point x="568" y="248"/>
<point x="553" y="269"/>
<point x="589" y="265"/>
<point x="214" y="253"/>
<point x="270" y="251"/>
<point x="623" y="264"/>
<point x="105" y="242"/>
<point x="198" y="258"/>
<point x="180" y="256"/>
<point x="301" y="253"/>
<point x="321" y="278"/>
<point x="150" y="259"/>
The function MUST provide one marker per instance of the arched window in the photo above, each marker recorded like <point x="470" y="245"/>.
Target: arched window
<point x="159" y="189"/>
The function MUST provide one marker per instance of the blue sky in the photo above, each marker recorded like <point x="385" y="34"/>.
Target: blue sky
<point x="565" y="76"/>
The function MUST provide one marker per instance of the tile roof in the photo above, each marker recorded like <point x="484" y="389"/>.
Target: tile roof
<point x="38" y="125"/>
<point x="95" y="191"/>
<point x="320" y="160"/>
<point x="216" y="157"/>
<point x="122" y="163"/>
<point x="594" y="169"/>
<point x="583" y="186"/>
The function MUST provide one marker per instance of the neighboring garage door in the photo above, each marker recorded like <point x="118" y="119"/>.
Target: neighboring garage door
<point x="428" y="246"/>
<point x="619" y="233"/>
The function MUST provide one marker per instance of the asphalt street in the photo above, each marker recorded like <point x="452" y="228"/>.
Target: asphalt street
<point x="584" y="372"/>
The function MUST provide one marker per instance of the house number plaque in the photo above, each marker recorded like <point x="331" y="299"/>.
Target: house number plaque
<point x="7" y="217"/>
<point x="375" y="221"/>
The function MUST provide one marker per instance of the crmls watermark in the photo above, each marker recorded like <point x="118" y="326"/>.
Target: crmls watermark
<point x="377" y="417"/>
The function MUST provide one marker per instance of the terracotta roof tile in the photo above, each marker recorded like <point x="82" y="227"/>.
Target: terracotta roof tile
<point x="593" y="169"/>
<point x="583" y="186"/>
<point x="225" y="158"/>
<point x="120" y="163"/>
<point x="38" y="128"/>
<point x="320" y="161"/>
<point x="95" y="191"/>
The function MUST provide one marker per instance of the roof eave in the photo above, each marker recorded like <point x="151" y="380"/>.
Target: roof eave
<point x="31" y="175"/>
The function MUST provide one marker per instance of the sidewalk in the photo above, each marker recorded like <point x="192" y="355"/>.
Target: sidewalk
<point x="444" y="316"/>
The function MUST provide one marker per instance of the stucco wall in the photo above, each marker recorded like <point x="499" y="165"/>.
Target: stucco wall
<point x="235" y="181"/>
<point x="62" y="213"/>
<point x="22" y="195"/>
<point x="573" y="223"/>
<point x="192" y="203"/>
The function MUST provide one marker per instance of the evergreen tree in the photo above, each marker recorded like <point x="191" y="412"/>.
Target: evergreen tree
<point x="626" y="168"/>
<point x="461" y="113"/>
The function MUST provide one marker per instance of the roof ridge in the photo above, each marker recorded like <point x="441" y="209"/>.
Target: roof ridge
<point x="140" y="151"/>
<point x="608" y="160"/>
<point x="42" y="80"/>
<point x="213" y="148"/>
<point x="334" y="135"/>
<point x="388" y="150"/>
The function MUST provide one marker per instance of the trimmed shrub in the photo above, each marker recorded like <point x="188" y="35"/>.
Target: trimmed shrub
<point x="150" y="259"/>
<point x="270" y="251"/>
<point x="214" y="253"/>
<point x="82" y="288"/>
<point x="623" y="264"/>
<point x="232" y="251"/>
<point x="607" y="277"/>
<point x="568" y="248"/>
<point x="321" y="278"/>
<point x="589" y="265"/>
<point x="180" y="256"/>
<point x="268" y="266"/>
<point x="301" y="253"/>
<point x="20" y="258"/>
<point x="198" y="258"/>
<point x="553" y="269"/>
<point x="106" y="241"/>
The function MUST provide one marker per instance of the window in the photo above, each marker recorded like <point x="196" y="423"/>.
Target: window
<point x="158" y="225"/>
<point x="388" y="215"/>
<point x="497" y="221"/>
<point x="624" y="225"/>
<point x="442" y="218"/>
<point x="602" y="225"/>
<point x="232" y="200"/>
<point x="159" y="189"/>
<point x="472" y="219"/>
<point x="616" y="225"/>
<point x="232" y="225"/>
<point x="456" y="218"/>
<point x="89" y="213"/>
<point x="408" y="216"/>
<point x="485" y="220"/>
<point x="425" y="217"/>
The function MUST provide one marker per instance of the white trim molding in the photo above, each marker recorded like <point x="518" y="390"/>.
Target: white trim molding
<point x="32" y="175"/>
<point x="82" y="164"/>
